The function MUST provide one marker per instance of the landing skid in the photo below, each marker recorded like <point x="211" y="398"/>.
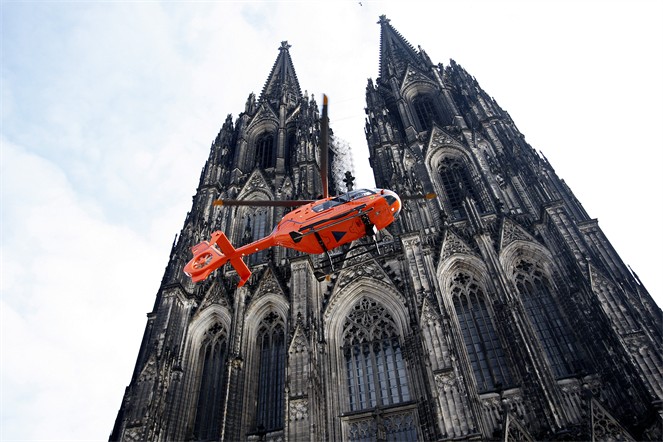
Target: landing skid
<point x="313" y="229"/>
<point x="334" y="264"/>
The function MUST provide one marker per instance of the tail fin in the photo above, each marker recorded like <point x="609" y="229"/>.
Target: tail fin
<point x="206" y="259"/>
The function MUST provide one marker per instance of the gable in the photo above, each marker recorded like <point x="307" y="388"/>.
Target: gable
<point x="511" y="232"/>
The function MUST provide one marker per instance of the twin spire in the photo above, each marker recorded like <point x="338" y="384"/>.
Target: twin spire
<point x="282" y="83"/>
<point x="396" y="53"/>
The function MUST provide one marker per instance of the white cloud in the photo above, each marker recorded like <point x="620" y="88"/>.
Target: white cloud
<point x="74" y="292"/>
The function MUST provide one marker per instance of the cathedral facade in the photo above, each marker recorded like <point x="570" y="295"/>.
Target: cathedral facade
<point x="498" y="310"/>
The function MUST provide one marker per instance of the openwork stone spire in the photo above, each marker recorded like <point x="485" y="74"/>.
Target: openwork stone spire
<point x="282" y="84"/>
<point x="395" y="51"/>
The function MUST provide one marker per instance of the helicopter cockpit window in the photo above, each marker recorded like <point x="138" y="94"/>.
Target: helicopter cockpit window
<point x="353" y="195"/>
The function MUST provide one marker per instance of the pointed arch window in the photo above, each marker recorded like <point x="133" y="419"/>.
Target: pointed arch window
<point x="482" y="343"/>
<point x="555" y="336"/>
<point x="271" y="374"/>
<point x="374" y="364"/>
<point x="426" y="111"/>
<point x="255" y="225"/>
<point x="457" y="184"/>
<point x="207" y="425"/>
<point x="265" y="151"/>
<point x="291" y="149"/>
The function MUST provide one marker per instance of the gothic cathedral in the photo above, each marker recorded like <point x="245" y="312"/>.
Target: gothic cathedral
<point x="498" y="310"/>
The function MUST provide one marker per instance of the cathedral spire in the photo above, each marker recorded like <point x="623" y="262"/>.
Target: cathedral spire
<point x="395" y="51"/>
<point x="282" y="82"/>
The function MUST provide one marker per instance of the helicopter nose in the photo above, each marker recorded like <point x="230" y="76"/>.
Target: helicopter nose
<point x="394" y="202"/>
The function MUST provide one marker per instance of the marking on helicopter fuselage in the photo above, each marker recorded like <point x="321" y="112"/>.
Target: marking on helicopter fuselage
<point x="338" y="235"/>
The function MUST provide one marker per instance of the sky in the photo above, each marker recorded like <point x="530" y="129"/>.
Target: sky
<point x="108" y="110"/>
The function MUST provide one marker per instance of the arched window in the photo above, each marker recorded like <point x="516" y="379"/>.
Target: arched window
<point x="255" y="225"/>
<point x="291" y="149"/>
<point x="555" y="336"/>
<point x="376" y="379"/>
<point x="210" y="398"/>
<point x="457" y="184"/>
<point x="427" y="113"/>
<point x="374" y="363"/>
<point x="271" y="374"/>
<point x="265" y="151"/>
<point x="481" y="341"/>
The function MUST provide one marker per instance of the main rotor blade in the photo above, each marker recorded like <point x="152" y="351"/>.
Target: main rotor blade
<point x="428" y="196"/>
<point x="262" y="203"/>
<point x="324" y="147"/>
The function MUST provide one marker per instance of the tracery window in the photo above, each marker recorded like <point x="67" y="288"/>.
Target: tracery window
<point x="376" y="376"/>
<point x="256" y="226"/>
<point x="427" y="113"/>
<point x="373" y="359"/>
<point x="265" y="151"/>
<point x="457" y="184"/>
<point x="291" y="149"/>
<point x="482" y="343"/>
<point x="271" y="374"/>
<point x="555" y="336"/>
<point x="210" y="398"/>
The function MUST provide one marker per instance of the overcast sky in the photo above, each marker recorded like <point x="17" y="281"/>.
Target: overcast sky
<point x="108" y="110"/>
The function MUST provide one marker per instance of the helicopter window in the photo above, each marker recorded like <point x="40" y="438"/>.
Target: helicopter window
<point x="353" y="195"/>
<point x="342" y="199"/>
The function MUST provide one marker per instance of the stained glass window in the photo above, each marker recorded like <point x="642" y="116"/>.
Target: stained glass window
<point x="457" y="183"/>
<point x="265" y="151"/>
<point x="426" y="112"/>
<point x="481" y="341"/>
<point x="212" y="389"/>
<point x="271" y="374"/>
<point x="374" y="362"/>
<point x="555" y="336"/>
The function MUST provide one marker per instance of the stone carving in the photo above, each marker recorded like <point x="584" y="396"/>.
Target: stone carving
<point x="370" y="270"/>
<point x="412" y="76"/>
<point x="134" y="434"/>
<point x="269" y="284"/>
<point x="362" y="430"/>
<point x="255" y="182"/>
<point x="298" y="410"/>
<point x="213" y="296"/>
<point x="605" y="426"/>
<point x="454" y="244"/>
<point x="399" y="423"/>
<point x="514" y="431"/>
<point x="299" y="341"/>
<point x="446" y="380"/>
<point x="429" y="314"/>
<point x="512" y="232"/>
<point x="440" y="138"/>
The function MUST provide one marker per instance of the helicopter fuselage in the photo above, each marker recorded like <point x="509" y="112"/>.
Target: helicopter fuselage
<point x="329" y="223"/>
<point x="313" y="228"/>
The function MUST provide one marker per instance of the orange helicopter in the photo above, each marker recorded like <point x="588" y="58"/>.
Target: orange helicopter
<point x="315" y="227"/>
